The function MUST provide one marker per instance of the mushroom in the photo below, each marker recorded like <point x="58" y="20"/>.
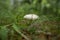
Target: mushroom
<point x="31" y="16"/>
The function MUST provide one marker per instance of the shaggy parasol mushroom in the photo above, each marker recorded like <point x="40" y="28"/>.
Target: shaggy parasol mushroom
<point x="30" y="18"/>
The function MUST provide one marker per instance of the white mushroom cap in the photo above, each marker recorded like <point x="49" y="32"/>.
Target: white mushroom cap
<point x="31" y="16"/>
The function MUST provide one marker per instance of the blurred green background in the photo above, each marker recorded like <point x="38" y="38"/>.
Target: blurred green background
<point x="14" y="27"/>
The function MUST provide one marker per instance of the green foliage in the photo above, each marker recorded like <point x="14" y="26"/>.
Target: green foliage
<point x="47" y="10"/>
<point x="3" y="33"/>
